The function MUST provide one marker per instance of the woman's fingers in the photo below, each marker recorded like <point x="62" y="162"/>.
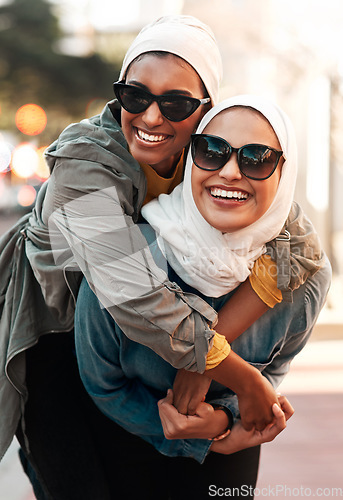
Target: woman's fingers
<point x="286" y="406"/>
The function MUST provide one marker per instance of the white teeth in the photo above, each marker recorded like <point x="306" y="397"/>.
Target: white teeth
<point x="221" y="193"/>
<point x="150" y="138"/>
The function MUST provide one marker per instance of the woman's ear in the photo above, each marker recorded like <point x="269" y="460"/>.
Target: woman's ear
<point x="206" y="107"/>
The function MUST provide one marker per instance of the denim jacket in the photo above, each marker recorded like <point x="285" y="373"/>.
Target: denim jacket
<point x="126" y="379"/>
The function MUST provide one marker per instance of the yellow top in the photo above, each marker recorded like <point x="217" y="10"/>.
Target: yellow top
<point x="263" y="280"/>
<point x="157" y="185"/>
<point x="219" y="351"/>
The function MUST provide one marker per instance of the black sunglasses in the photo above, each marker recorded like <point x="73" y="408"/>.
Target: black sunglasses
<point x="255" y="161"/>
<point x="174" y="107"/>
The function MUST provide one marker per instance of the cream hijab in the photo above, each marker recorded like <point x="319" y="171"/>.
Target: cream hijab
<point x="186" y="37"/>
<point x="207" y="259"/>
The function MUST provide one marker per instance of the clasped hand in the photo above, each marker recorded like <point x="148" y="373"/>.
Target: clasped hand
<point x="256" y="396"/>
<point x="207" y="422"/>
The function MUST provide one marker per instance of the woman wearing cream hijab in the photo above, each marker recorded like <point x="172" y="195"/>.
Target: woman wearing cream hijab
<point x="84" y="223"/>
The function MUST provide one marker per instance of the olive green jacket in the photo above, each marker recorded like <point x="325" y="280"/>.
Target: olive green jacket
<point x="83" y="223"/>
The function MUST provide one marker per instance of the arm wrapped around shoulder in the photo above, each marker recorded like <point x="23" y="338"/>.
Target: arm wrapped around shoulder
<point x="299" y="257"/>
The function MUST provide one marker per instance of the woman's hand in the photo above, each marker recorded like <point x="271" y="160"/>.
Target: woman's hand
<point x="255" y="403"/>
<point x="286" y="406"/>
<point x="239" y="438"/>
<point x="255" y="393"/>
<point x="206" y="423"/>
<point x="189" y="390"/>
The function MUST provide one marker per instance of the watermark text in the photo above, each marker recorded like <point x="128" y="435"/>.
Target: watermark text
<point x="279" y="490"/>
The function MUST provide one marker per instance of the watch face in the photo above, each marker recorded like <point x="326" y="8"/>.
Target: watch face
<point x="228" y="413"/>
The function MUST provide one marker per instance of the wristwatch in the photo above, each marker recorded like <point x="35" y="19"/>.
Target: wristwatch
<point x="229" y="416"/>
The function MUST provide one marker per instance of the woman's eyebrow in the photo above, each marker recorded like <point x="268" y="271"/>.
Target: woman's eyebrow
<point x="179" y="91"/>
<point x="168" y="92"/>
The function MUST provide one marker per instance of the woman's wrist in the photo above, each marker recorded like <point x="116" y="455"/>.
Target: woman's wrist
<point x="224" y="420"/>
<point x="235" y="373"/>
<point x="251" y="379"/>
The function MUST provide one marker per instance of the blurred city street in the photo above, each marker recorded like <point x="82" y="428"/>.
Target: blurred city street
<point x="58" y="60"/>
<point x="306" y="459"/>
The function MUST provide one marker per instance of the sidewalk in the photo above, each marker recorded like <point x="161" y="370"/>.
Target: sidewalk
<point x="304" y="461"/>
<point x="13" y="482"/>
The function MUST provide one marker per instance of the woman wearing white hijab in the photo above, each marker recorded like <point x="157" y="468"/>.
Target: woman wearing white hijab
<point x="126" y="379"/>
<point x="211" y="261"/>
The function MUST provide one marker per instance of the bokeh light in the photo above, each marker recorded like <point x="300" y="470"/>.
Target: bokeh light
<point x="25" y="160"/>
<point x="5" y="156"/>
<point x="26" y="196"/>
<point x="42" y="170"/>
<point x="2" y="188"/>
<point x="31" y="119"/>
<point x="95" y="107"/>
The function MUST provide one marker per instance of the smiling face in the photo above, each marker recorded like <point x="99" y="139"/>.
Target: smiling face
<point x="227" y="199"/>
<point x="152" y="138"/>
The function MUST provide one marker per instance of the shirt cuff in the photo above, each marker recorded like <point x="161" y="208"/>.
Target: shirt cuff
<point x="219" y="351"/>
<point x="263" y="280"/>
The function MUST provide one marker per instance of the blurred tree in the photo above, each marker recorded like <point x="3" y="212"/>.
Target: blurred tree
<point x="32" y="70"/>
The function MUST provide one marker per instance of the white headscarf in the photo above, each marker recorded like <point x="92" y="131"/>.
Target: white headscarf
<point x="186" y="37"/>
<point x="205" y="258"/>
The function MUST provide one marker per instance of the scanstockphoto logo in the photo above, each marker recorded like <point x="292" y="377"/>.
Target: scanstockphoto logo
<point x="290" y="260"/>
<point x="93" y="234"/>
<point x="274" y="491"/>
<point x="216" y="262"/>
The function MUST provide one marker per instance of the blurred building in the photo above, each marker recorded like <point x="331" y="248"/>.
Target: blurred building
<point x="290" y="51"/>
<point x="286" y="50"/>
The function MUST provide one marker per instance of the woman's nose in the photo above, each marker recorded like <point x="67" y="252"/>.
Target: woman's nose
<point x="231" y="169"/>
<point x="152" y="116"/>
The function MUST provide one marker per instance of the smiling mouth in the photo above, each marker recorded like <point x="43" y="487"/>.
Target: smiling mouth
<point x="228" y="195"/>
<point x="151" y="138"/>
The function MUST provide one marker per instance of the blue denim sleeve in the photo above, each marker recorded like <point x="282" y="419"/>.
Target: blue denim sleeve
<point x="309" y="303"/>
<point x="127" y="401"/>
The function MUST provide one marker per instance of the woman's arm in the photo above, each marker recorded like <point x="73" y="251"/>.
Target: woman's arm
<point x="257" y="294"/>
<point x="115" y="258"/>
<point x="255" y="393"/>
<point x="294" y="321"/>
<point x="288" y="329"/>
<point x="92" y="201"/>
<point x="242" y="309"/>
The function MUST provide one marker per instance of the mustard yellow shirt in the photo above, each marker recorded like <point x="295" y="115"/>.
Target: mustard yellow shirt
<point x="219" y="351"/>
<point x="263" y="280"/>
<point x="157" y="185"/>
